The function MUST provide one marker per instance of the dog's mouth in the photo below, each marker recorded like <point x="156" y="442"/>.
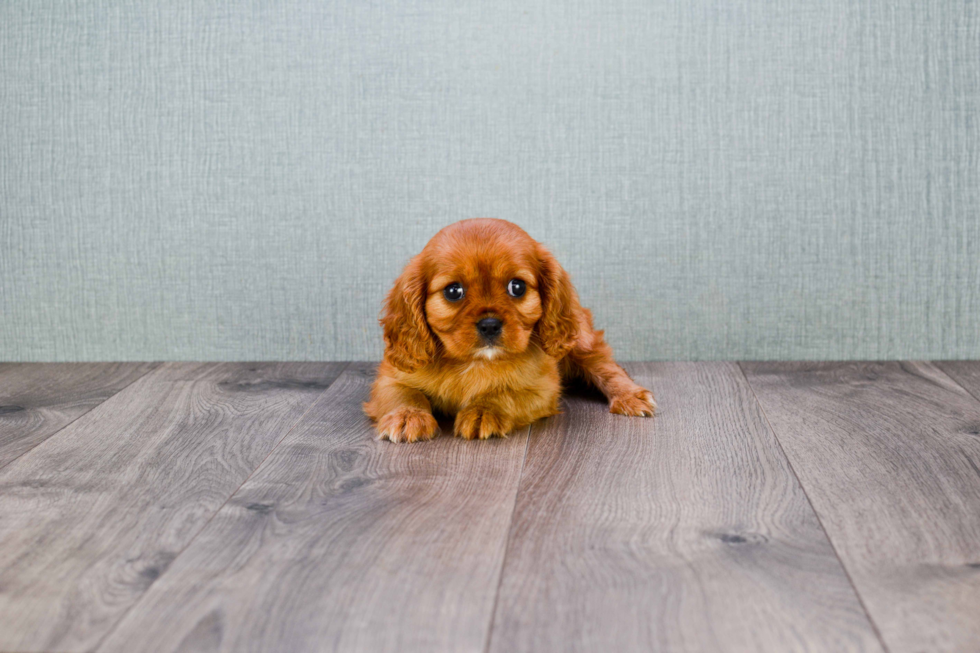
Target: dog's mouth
<point x="488" y="352"/>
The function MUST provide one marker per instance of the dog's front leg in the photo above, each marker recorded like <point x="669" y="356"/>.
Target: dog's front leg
<point x="484" y="417"/>
<point x="500" y="412"/>
<point x="402" y="413"/>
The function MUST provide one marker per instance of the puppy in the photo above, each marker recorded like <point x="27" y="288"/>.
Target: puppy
<point x="485" y="324"/>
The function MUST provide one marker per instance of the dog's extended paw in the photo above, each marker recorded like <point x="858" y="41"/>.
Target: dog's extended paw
<point x="639" y="403"/>
<point x="481" y="422"/>
<point x="407" y="425"/>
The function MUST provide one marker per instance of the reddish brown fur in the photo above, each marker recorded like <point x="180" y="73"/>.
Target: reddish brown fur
<point x="435" y="358"/>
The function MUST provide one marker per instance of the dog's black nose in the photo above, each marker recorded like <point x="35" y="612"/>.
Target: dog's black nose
<point x="489" y="327"/>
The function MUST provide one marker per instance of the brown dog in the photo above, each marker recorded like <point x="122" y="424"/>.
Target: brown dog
<point x="484" y="323"/>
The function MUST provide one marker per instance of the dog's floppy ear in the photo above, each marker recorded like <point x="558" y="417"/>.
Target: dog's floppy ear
<point x="409" y="344"/>
<point x="558" y="326"/>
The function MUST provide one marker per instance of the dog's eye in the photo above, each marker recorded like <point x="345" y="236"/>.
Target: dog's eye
<point x="516" y="288"/>
<point x="453" y="292"/>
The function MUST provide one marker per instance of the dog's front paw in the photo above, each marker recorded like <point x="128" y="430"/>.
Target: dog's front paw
<point x="407" y="425"/>
<point x="639" y="403"/>
<point x="481" y="422"/>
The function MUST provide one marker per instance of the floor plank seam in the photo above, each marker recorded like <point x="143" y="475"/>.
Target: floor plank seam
<point x="298" y="421"/>
<point x="53" y="434"/>
<point x="939" y="366"/>
<point x="510" y="527"/>
<point x="847" y="573"/>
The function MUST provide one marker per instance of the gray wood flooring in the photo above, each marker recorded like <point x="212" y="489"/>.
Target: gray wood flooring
<point x="248" y="507"/>
<point x="38" y="400"/>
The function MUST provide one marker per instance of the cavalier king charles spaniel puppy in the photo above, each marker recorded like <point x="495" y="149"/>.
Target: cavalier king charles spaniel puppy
<point x="485" y="324"/>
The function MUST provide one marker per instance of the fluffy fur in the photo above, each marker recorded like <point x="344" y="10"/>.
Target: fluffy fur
<point x="436" y="358"/>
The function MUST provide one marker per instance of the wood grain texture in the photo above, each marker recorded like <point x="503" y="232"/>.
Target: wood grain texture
<point x="91" y="517"/>
<point x="966" y="373"/>
<point x="890" y="457"/>
<point x="688" y="532"/>
<point x="340" y="542"/>
<point x="38" y="399"/>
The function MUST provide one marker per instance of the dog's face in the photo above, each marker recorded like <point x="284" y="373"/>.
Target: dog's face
<point x="482" y="298"/>
<point x="480" y="289"/>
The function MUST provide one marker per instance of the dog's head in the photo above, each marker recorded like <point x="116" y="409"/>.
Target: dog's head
<point x="480" y="289"/>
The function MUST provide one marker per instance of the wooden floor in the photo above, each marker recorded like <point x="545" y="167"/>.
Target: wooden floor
<point x="768" y="507"/>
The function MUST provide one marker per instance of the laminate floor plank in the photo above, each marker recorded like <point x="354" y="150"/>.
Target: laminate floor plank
<point x="966" y="373"/>
<point x="340" y="542"/>
<point x="687" y="532"/>
<point x="890" y="458"/>
<point x="39" y="399"/>
<point x="93" y="515"/>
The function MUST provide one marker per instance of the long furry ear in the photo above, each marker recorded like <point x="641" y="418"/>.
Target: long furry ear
<point x="409" y="344"/>
<point x="558" y="326"/>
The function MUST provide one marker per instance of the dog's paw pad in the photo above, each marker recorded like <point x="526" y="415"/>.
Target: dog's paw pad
<point x="482" y="423"/>
<point x="636" y="404"/>
<point x="407" y="425"/>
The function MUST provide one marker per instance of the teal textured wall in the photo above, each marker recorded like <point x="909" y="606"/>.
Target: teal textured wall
<point x="722" y="178"/>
